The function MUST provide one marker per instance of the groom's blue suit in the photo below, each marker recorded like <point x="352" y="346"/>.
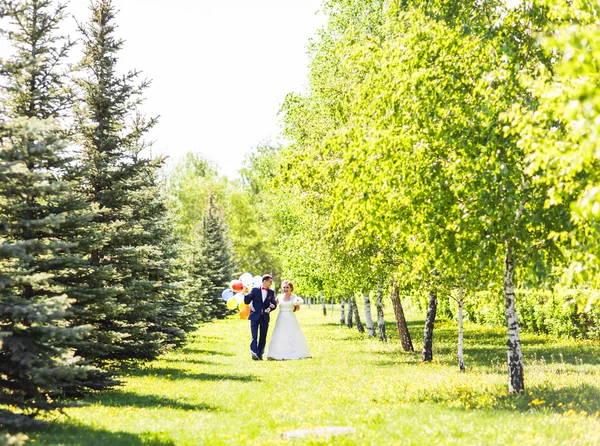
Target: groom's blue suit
<point x="259" y="320"/>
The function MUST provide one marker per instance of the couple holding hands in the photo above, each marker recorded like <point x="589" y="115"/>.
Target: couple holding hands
<point x="287" y="340"/>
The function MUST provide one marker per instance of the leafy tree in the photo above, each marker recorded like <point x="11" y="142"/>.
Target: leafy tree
<point x="188" y="186"/>
<point x="251" y="211"/>
<point x="559" y="136"/>
<point x="402" y="148"/>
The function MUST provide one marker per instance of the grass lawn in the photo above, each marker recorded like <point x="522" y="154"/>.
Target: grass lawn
<point x="212" y="393"/>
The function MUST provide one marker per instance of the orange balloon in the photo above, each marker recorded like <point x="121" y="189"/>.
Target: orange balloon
<point x="245" y="312"/>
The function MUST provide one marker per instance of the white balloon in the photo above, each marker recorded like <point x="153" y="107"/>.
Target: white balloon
<point x="239" y="297"/>
<point x="246" y="279"/>
<point x="227" y="294"/>
<point x="256" y="281"/>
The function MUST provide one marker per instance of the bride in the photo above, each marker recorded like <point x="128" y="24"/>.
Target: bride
<point x="287" y="340"/>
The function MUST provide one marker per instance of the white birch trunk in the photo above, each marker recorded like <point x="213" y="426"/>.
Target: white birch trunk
<point x="427" y="354"/>
<point x="516" y="382"/>
<point x="349" y="322"/>
<point x="368" y="317"/>
<point x="461" y="359"/>
<point x="342" y="314"/>
<point x="380" y="318"/>
<point x="359" y="324"/>
<point x="323" y="305"/>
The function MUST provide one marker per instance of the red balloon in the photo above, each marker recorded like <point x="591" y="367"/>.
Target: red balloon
<point x="236" y="285"/>
<point x="245" y="312"/>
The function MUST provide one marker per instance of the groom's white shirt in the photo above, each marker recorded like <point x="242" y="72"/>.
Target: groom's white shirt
<point x="264" y="294"/>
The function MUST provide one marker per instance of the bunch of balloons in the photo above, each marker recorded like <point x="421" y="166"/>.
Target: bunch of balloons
<point x="234" y="295"/>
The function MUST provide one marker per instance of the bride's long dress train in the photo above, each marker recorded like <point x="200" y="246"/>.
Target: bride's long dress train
<point x="287" y="340"/>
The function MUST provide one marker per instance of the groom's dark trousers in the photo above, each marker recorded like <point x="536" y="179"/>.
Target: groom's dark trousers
<point x="257" y="345"/>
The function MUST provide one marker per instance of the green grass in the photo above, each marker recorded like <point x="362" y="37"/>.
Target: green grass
<point x="211" y="392"/>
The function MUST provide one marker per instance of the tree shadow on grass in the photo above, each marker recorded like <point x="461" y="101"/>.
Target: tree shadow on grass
<point x="198" y="351"/>
<point x="175" y="374"/>
<point x="583" y="397"/>
<point x="486" y="347"/>
<point x="130" y="399"/>
<point x="388" y="325"/>
<point x="574" y="399"/>
<point x="559" y="354"/>
<point x="74" y="434"/>
<point x="186" y="360"/>
<point x="207" y="337"/>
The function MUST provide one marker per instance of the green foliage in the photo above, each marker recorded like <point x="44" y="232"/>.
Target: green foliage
<point x="251" y="212"/>
<point x="445" y="308"/>
<point x="563" y="313"/>
<point x="188" y="185"/>
<point x="560" y="135"/>
<point x="196" y="195"/>
<point x="406" y="150"/>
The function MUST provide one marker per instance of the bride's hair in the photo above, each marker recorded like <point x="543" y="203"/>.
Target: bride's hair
<point x="288" y="283"/>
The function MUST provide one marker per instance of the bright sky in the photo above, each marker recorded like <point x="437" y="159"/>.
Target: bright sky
<point x="220" y="69"/>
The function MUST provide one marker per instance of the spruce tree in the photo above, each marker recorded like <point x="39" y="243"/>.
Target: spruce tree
<point x="213" y="262"/>
<point x="132" y="302"/>
<point x="148" y="252"/>
<point x="34" y="362"/>
<point x="42" y="221"/>
<point x="198" y="303"/>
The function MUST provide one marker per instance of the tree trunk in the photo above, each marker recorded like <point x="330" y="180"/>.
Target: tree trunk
<point x="368" y="317"/>
<point x="342" y="315"/>
<point x="308" y="300"/>
<point x="380" y="319"/>
<point x="515" y="355"/>
<point x="461" y="359"/>
<point x="429" y="322"/>
<point x="323" y="305"/>
<point x="350" y="311"/>
<point x="359" y="324"/>
<point x="331" y="311"/>
<point x="405" y="340"/>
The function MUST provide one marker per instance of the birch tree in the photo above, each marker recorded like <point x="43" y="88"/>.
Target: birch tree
<point x="368" y="316"/>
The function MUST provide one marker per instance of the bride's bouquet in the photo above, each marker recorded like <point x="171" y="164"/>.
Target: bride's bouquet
<point x="297" y="301"/>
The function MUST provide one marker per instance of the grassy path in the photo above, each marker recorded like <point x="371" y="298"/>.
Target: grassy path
<point x="212" y="393"/>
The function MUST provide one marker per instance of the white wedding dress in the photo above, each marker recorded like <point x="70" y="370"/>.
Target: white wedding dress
<point x="287" y="340"/>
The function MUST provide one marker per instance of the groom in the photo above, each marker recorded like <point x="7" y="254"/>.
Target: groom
<point x="261" y="301"/>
